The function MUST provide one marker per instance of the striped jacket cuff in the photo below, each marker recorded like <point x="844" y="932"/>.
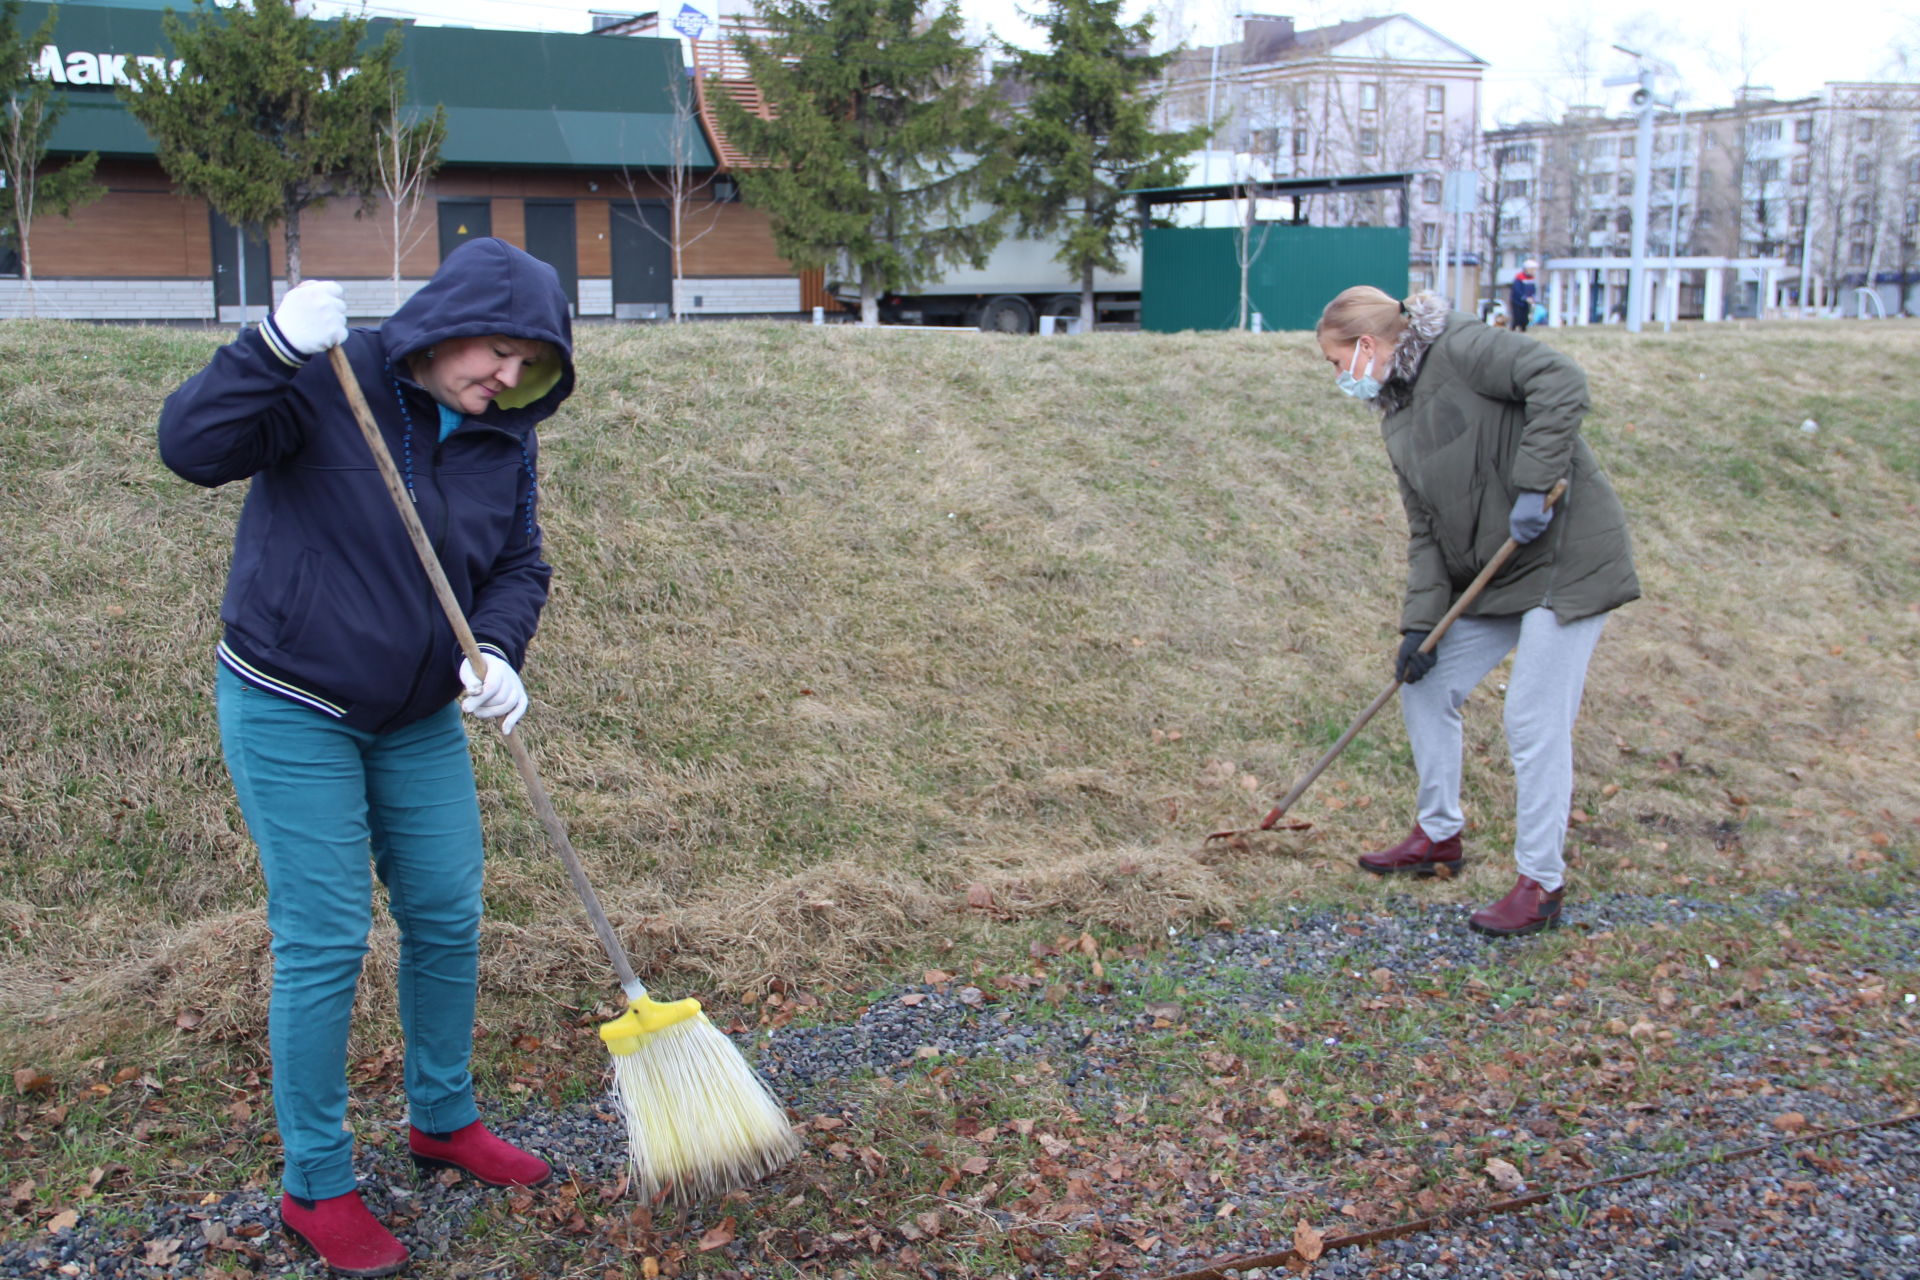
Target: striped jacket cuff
<point x="487" y="647"/>
<point x="278" y="344"/>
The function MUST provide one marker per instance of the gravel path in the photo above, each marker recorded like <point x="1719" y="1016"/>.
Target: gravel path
<point x="1763" y="1218"/>
<point x="1773" y="1216"/>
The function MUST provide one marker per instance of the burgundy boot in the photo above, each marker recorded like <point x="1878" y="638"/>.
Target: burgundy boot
<point x="347" y="1237"/>
<point x="476" y="1151"/>
<point x="1529" y="908"/>
<point x="1421" y="856"/>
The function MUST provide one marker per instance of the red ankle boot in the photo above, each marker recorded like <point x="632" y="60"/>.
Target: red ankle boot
<point x="1527" y="908"/>
<point x="476" y="1151"/>
<point x="1417" y="854"/>
<point x="347" y="1237"/>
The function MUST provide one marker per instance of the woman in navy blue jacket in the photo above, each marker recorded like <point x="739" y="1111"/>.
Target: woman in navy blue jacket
<point x="337" y="677"/>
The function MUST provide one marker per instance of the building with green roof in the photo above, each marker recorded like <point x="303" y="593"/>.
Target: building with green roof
<point x="560" y="143"/>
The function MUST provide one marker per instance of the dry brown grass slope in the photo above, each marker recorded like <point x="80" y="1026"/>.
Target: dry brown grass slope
<point x="847" y="622"/>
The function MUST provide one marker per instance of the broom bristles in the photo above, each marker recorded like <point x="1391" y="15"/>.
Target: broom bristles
<point x="698" y="1118"/>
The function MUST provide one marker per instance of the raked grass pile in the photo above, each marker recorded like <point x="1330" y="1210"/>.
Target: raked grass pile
<point x="862" y="643"/>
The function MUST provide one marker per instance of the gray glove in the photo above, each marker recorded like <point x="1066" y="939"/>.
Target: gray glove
<point x="1411" y="664"/>
<point x="1529" y="517"/>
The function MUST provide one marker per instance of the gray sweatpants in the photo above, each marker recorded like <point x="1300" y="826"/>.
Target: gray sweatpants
<point x="1543" y="700"/>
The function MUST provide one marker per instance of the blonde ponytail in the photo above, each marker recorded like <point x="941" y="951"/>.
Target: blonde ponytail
<point x="1363" y="312"/>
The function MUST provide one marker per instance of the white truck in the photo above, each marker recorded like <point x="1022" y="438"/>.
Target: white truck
<point x="1021" y="282"/>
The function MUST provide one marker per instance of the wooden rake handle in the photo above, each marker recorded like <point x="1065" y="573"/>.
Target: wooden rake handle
<point x="1460" y="606"/>
<point x="443" y="591"/>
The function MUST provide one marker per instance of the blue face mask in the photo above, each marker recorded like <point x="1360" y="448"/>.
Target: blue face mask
<point x="1363" y="387"/>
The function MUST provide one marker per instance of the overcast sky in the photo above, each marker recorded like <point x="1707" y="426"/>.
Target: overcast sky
<point x="1792" y="45"/>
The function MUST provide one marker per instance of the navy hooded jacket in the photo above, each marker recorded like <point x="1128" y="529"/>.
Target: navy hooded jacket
<point x="326" y="602"/>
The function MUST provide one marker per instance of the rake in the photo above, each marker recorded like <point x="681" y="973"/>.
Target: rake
<point x="1273" y="820"/>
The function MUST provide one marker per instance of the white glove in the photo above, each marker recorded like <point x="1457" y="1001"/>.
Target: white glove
<point x="500" y="694"/>
<point x="313" y="316"/>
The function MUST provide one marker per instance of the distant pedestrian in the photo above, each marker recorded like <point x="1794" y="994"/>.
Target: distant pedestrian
<point x="1479" y="424"/>
<point x="337" y="679"/>
<point x="1520" y="296"/>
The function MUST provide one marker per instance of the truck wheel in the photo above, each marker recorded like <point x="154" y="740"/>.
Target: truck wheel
<point x="1006" y="313"/>
<point x="1062" y="306"/>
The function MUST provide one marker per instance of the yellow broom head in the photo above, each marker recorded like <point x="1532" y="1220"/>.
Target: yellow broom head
<point x="699" y="1120"/>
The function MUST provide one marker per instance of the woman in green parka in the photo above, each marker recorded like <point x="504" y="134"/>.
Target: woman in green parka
<point x="1479" y="424"/>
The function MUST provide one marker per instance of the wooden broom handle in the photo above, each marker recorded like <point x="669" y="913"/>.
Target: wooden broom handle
<point x="443" y="591"/>
<point x="1460" y="606"/>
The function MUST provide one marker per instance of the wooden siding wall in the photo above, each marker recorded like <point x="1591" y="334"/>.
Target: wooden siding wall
<point x="141" y="229"/>
<point x="740" y="243"/>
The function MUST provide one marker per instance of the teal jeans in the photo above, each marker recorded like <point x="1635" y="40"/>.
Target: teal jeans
<point x="329" y="808"/>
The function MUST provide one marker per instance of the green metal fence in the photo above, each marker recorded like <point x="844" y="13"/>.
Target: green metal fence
<point x="1190" y="276"/>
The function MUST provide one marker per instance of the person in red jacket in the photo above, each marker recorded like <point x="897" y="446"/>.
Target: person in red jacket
<point x="1520" y="296"/>
<point x="337" y="677"/>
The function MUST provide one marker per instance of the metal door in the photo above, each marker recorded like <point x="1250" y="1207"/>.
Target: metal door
<point x="550" y="239"/>
<point x="227" y="271"/>
<point x="642" y="261"/>
<point x="461" y="221"/>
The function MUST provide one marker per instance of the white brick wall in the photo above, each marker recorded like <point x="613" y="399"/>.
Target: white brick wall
<point x="708" y="296"/>
<point x="596" y="297"/>
<point x="367" y="299"/>
<point x="108" y="300"/>
<point x="66" y="299"/>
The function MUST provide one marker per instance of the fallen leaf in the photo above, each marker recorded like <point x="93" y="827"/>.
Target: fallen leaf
<point x="979" y="897"/>
<point x="912" y="998"/>
<point x="65" y="1220"/>
<point x="160" y="1252"/>
<point x="188" y="1019"/>
<point x="1505" y="1176"/>
<point x="1790" y="1122"/>
<point x="650" y="1267"/>
<point x="1307" y="1242"/>
<point x="241" y="1110"/>
<point x="975" y="1165"/>
<point x="718" y="1237"/>
<point x="31" y="1080"/>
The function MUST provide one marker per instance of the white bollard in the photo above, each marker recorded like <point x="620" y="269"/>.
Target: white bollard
<point x="819" y="315"/>
<point x="1259" y="323"/>
<point x="1047" y="324"/>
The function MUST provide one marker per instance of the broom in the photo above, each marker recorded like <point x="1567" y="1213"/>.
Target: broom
<point x="698" y="1119"/>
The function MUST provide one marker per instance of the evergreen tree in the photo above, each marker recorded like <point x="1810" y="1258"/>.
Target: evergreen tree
<point x="270" y="113"/>
<point x="31" y="111"/>
<point x="1086" y="138"/>
<point x="882" y="138"/>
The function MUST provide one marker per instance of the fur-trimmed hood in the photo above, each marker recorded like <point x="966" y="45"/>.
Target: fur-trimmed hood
<point x="1426" y="321"/>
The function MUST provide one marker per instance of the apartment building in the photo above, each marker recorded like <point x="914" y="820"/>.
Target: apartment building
<point x="1827" y="184"/>
<point x="1377" y="95"/>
